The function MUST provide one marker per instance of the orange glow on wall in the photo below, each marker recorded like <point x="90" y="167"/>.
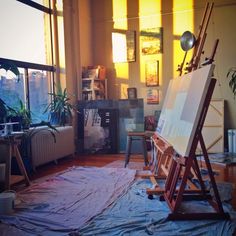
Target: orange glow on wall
<point x="122" y="71"/>
<point x="149" y="13"/>
<point x="182" y="21"/>
<point x="149" y="18"/>
<point x="120" y="14"/>
<point x="119" y="50"/>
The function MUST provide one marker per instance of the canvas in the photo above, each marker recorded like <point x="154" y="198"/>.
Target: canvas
<point x="182" y="108"/>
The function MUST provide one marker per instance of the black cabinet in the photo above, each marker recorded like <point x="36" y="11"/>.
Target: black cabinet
<point x="98" y="130"/>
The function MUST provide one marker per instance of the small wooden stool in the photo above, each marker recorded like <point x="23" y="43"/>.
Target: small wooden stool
<point x="136" y="136"/>
<point x="11" y="145"/>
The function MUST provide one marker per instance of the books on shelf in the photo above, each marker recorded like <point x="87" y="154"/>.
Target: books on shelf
<point x="95" y="72"/>
<point x="94" y="83"/>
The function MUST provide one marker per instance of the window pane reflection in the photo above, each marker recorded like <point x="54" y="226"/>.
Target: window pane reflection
<point x="39" y="87"/>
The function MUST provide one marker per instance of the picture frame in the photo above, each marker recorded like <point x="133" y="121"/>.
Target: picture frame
<point x="152" y="41"/>
<point x="152" y="96"/>
<point x="132" y="93"/>
<point x="152" y="73"/>
<point x="124" y="46"/>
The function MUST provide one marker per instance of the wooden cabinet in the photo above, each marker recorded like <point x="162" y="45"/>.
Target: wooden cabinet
<point x="94" y="89"/>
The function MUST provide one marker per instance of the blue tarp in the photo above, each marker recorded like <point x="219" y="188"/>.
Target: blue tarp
<point x="135" y="214"/>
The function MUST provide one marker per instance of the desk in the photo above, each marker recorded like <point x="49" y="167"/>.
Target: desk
<point x="12" y="141"/>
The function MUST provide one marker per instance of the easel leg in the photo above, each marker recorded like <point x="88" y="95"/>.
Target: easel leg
<point x="128" y="148"/>
<point x="211" y="175"/>
<point x="145" y="151"/>
<point x="21" y="165"/>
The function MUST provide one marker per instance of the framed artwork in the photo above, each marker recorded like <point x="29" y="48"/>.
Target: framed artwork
<point x="152" y="41"/>
<point x="153" y="96"/>
<point x="123" y="46"/>
<point x="152" y="73"/>
<point x="132" y="93"/>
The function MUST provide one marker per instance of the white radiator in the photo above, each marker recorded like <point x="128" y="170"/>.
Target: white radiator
<point x="44" y="149"/>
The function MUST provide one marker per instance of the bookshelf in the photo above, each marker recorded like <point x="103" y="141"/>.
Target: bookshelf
<point x="94" y="89"/>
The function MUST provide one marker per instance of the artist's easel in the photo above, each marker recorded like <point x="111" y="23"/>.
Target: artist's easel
<point x="161" y="157"/>
<point x="160" y="164"/>
<point x="180" y="169"/>
<point x="175" y="196"/>
<point x="194" y="63"/>
<point x="162" y="153"/>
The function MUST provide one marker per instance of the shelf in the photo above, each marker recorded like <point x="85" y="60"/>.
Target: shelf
<point x="95" y="79"/>
<point x="94" y="89"/>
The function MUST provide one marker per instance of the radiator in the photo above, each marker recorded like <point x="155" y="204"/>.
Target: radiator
<point x="44" y="149"/>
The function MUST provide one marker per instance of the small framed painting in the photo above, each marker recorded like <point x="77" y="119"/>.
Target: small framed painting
<point x="152" y="73"/>
<point x="132" y="93"/>
<point x="153" y="96"/>
<point x="152" y="41"/>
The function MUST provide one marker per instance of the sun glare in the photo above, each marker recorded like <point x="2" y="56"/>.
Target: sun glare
<point x="182" y="21"/>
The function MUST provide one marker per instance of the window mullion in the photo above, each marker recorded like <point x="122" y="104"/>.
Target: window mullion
<point x="26" y="88"/>
<point x="55" y="42"/>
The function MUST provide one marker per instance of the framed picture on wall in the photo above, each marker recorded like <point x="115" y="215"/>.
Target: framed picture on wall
<point x="152" y="41"/>
<point x="152" y="73"/>
<point x="132" y="93"/>
<point x="152" y="96"/>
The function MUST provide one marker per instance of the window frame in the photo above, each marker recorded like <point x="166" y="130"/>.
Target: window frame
<point x="53" y="68"/>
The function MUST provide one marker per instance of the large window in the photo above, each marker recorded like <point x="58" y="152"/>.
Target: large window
<point x="28" y="39"/>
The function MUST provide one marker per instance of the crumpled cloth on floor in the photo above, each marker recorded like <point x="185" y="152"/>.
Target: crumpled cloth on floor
<point x="61" y="204"/>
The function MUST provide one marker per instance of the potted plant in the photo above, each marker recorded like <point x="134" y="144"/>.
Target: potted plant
<point x="232" y="82"/>
<point x="20" y="114"/>
<point x="60" y="108"/>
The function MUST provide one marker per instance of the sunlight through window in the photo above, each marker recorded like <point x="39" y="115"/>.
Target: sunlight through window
<point x="119" y="41"/>
<point x="150" y="21"/>
<point x="182" y="21"/>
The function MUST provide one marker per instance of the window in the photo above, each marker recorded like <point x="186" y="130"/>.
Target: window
<point x="28" y="39"/>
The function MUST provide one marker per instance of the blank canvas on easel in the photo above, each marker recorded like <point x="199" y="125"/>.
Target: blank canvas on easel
<point x="182" y="107"/>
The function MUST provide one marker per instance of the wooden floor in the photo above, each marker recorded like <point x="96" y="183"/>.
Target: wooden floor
<point x="227" y="174"/>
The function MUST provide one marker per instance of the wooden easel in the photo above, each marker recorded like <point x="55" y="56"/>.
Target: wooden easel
<point x="164" y="150"/>
<point x="160" y="161"/>
<point x="162" y="157"/>
<point x="193" y="64"/>
<point x="181" y="169"/>
<point x="174" y="195"/>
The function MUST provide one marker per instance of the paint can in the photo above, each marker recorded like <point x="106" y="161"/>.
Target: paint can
<point x="234" y="140"/>
<point x="230" y="140"/>
<point x="7" y="202"/>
